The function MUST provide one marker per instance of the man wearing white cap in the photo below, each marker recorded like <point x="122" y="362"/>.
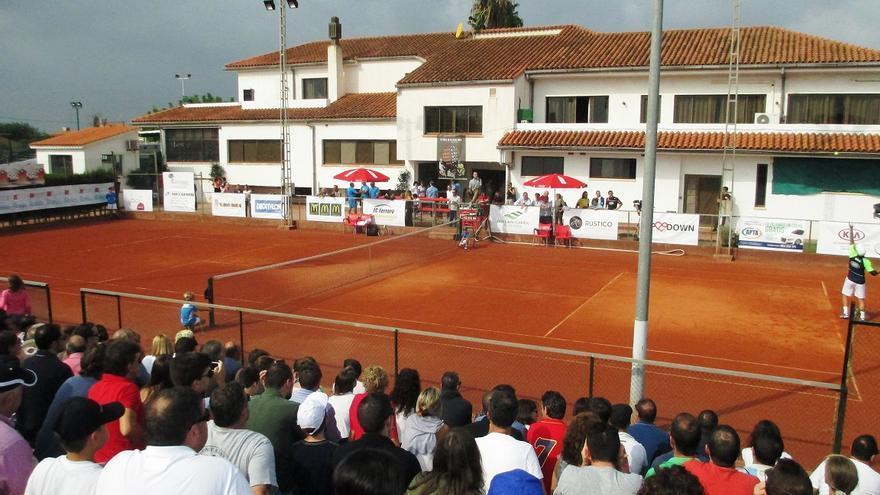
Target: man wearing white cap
<point x="312" y="458"/>
<point x="854" y="284"/>
<point x="16" y="456"/>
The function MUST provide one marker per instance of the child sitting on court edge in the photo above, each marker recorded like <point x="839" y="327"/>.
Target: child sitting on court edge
<point x="189" y="313"/>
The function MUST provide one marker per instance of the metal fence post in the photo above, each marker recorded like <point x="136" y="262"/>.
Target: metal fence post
<point x="119" y="311"/>
<point x="844" y="387"/>
<point x="209" y="296"/>
<point x="82" y="305"/>
<point x="240" y="334"/>
<point x="592" y="374"/>
<point x="396" y="352"/>
<point x="49" y="302"/>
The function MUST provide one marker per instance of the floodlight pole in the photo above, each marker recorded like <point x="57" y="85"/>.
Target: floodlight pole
<point x="286" y="179"/>
<point x="76" y="106"/>
<point x="646" y="221"/>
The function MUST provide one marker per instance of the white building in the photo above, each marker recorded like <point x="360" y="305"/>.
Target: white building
<point x="111" y="147"/>
<point x="523" y="102"/>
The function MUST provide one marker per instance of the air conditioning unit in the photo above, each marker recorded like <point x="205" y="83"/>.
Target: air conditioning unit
<point x="762" y="118"/>
<point x="131" y="145"/>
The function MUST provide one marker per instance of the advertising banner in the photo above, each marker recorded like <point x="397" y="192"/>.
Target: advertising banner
<point x="772" y="234"/>
<point x="267" y="206"/>
<point x="228" y="205"/>
<point x="386" y="212"/>
<point x="137" y="199"/>
<point x="676" y="228"/>
<point x="834" y="238"/>
<point x="41" y="198"/>
<point x="592" y="224"/>
<point x="327" y="209"/>
<point x="450" y="155"/>
<point x="179" y="193"/>
<point x="22" y="173"/>
<point x="514" y="219"/>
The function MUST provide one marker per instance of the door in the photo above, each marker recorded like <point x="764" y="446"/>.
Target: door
<point x="701" y="196"/>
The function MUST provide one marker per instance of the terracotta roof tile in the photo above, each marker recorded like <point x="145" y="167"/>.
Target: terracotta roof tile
<point x="85" y="136"/>
<point x="791" y="142"/>
<point x="349" y="107"/>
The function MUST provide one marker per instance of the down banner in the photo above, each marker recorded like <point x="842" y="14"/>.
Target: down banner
<point x="676" y="228"/>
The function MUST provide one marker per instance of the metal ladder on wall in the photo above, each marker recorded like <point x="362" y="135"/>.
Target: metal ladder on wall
<point x="731" y="114"/>
<point x="286" y="173"/>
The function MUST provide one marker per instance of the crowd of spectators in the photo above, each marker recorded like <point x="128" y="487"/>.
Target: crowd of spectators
<point x="203" y="419"/>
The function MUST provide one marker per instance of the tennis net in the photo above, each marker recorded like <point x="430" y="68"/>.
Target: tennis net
<point x="285" y="285"/>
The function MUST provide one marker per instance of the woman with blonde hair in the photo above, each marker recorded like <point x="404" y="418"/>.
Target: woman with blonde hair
<point x="162" y="346"/>
<point x="424" y="428"/>
<point x="375" y="381"/>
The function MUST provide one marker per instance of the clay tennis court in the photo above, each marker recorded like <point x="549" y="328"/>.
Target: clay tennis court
<point x="773" y="314"/>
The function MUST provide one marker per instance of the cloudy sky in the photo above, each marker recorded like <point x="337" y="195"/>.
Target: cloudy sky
<point x="119" y="57"/>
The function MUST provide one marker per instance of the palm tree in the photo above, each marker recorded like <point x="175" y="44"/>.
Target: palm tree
<point x="491" y="14"/>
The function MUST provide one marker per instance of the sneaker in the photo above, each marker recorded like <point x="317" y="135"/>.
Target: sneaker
<point x="862" y="315"/>
<point x="844" y="316"/>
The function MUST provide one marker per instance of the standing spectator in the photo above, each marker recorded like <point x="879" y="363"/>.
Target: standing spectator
<point x="16" y="303"/>
<point x="375" y="381"/>
<point x="767" y="450"/>
<point x="176" y="431"/>
<point x="374" y="191"/>
<point x="249" y="378"/>
<point x="351" y="195"/>
<point x="121" y="366"/>
<point x="364" y="192"/>
<point x="510" y="194"/>
<point x="368" y="472"/>
<point x="635" y="452"/>
<point x="376" y="415"/>
<point x="725" y="206"/>
<point x="10" y="344"/>
<point x="708" y="420"/>
<point x="456" y="187"/>
<point x="475" y="185"/>
<point x="612" y="202"/>
<point x="480" y="427"/>
<point x="598" y="201"/>
<point x="601" y="476"/>
<point x="763" y="428"/>
<point x="573" y="443"/>
<point x="547" y="435"/>
<point x="196" y="371"/>
<point x="414" y="190"/>
<point x="455" y="410"/>
<point x="420" y="191"/>
<point x="231" y="359"/>
<point x="161" y="346"/>
<point x="76" y="346"/>
<point x="684" y="436"/>
<point x="424" y="428"/>
<point x="655" y="440"/>
<point x="341" y="400"/>
<point x="356" y="366"/>
<point x="526" y="412"/>
<point x="454" y="203"/>
<point x="583" y="201"/>
<point x="432" y="191"/>
<point x="457" y="468"/>
<point x="16" y="459"/>
<point x="189" y="313"/>
<point x="160" y="378"/>
<point x="273" y="415"/>
<point x="111" y="199"/>
<point x="312" y="458"/>
<point x="864" y="451"/>
<point x="673" y="481"/>
<point x="80" y="428"/>
<point x="310" y="382"/>
<point x="404" y="396"/>
<point x="841" y="475"/>
<point x="719" y="476"/>
<point x="499" y="451"/>
<point x="559" y="208"/>
<point x="51" y="373"/>
<point x="786" y="478"/>
<point x="601" y="406"/>
<point x="249" y="451"/>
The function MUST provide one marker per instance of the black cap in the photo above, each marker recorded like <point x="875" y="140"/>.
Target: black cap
<point x="81" y="416"/>
<point x="12" y="374"/>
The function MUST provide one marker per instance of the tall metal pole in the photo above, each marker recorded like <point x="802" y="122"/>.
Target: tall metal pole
<point x="286" y="186"/>
<point x="640" y="326"/>
<point x="76" y="106"/>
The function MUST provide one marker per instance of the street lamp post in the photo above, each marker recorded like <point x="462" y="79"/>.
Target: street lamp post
<point x="182" y="78"/>
<point x="76" y="106"/>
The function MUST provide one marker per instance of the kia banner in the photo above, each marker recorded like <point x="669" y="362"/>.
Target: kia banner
<point x="834" y="238"/>
<point x="267" y="206"/>
<point x="386" y="211"/>
<point x="137" y="199"/>
<point x="676" y="228"/>
<point x="772" y="234"/>
<point x="228" y="205"/>
<point x="514" y="219"/>
<point x="592" y="224"/>
<point x="179" y="191"/>
<point x="324" y="209"/>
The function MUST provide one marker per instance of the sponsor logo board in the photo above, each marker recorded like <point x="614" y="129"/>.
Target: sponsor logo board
<point x="327" y="209"/>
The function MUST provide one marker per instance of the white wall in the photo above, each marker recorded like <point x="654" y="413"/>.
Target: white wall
<point x="377" y="76"/>
<point x="88" y="158"/>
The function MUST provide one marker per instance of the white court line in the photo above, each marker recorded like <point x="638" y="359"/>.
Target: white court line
<point x="584" y="303"/>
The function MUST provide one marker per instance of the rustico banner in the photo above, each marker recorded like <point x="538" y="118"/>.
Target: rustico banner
<point x="592" y="224"/>
<point x="137" y="199"/>
<point x="514" y="219"/>
<point x="326" y="209"/>
<point x="386" y="212"/>
<point x="771" y="234"/>
<point x="834" y="238"/>
<point x="42" y="198"/>
<point x="676" y="228"/>
<point x="267" y="206"/>
<point x="179" y="191"/>
<point x="228" y="205"/>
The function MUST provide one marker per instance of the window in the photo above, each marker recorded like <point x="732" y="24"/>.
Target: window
<point x="761" y="186"/>
<point x="255" y="151"/>
<point x="577" y="109"/>
<point x="466" y="120"/>
<point x="248" y="95"/>
<point x="61" y="164"/>
<point x="709" y="109"/>
<point x="360" y="153"/>
<point x="834" y="109"/>
<point x="643" y="111"/>
<point x="192" y="145"/>
<point x="314" y="88"/>
<point x="542" y="165"/>
<point x="612" y="168"/>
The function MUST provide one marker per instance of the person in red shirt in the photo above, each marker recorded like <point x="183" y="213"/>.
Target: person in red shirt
<point x="719" y="476"/>
<point x="546" y="435"/>
<point x="121" y="367"/>
<point x="375" y="380"/>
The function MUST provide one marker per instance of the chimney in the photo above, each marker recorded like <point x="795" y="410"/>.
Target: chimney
<point x="335" y="74"/>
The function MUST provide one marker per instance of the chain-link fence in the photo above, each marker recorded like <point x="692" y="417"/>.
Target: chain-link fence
<point x="861" y="388"/>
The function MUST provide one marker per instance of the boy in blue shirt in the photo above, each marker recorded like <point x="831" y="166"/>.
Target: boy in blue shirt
<point x="189" y="313"/>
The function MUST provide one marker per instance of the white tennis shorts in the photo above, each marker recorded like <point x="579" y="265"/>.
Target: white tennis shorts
<point x="850" y="288"/>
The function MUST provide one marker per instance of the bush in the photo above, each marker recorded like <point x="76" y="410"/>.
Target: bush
<point x="403" y="181"/>
<point x="91" y="177"/>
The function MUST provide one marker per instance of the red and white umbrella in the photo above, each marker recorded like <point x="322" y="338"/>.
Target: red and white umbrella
<point x="555" y="181"/>
<point x="361" y="175"/>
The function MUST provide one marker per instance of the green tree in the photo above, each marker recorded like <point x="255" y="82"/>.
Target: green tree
<point x="205" y="98"/>
<point x="21" y="131"/>
<point x="493" y="14"/>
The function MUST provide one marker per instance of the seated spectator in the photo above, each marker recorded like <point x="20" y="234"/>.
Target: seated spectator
<point x="404" y="396"/>
<point x="863" y="453"/>
<point x="309" y="366"/>
<point x="310" y="382"/>
<point x="635" y="452"/>
<point x="312" y="457"/>
<point x="121" y="367"/>
<point x="708" y="421"/>
<point x="499" y="451"/>
<point x="456" y="469"/>
<point x="176" y="431"/>
<point x="599" y="474"/>
<point x="580" y="405"/>
<point x="601" y="406"/>
<point x="228" y="438"/>
<point x="719" y="475"/>
<point x="81" y="431"/>
<point x="672" y="481"/>
<point x="160" y="378"/>
<point x="547" y="435"/>
<point x="76" y="347"/>
<point x="375" y="381"/>
<point x="249" y="378"/>
<point x="515" y="482"/>
<point x="185" y="345"/>
<point x="763" y="428"/>
<point x="16" y="461"/>
<point x="786" y="478"/>
<point x="214" y="350"/>
<point x="684" y="437"/>
<point x="572" y="444"/>
<point x="376" y="416"/>
<point x="480" y="426"/>
<point x="254" y="355"/>
<point x="655" y="440"/>
<point x="10" y="344"/>
<point x="423" y="428"/>
<point x="767" y="450"/>
<point x="341" y="400"/>
<point x="524" y="200"/>
<point x="356" y="366"/>
<point x="368" y="472"/>
<point x="841" y="475"/>
<point x="15" y="303"/>
<point x="51" y="373"/>
<point x="526" y="412"/>
<point x="161" y="346"/>
<point x="231" y="359"/>
<point x="454" y="409"/>
<point x="196" y="371"/>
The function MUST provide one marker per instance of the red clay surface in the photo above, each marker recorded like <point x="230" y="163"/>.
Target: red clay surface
<point x="776" y="316"/>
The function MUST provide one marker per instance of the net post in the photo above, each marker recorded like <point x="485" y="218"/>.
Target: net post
<point x="844" y="387"/>
<point x="118" y="311"/>
<point x="82" y="304"/>
<point x="396" y="352"/>
<point x="209" y="296"/>
<point x="241" y="334"/>
<point x="592" y="374"/>
<point x="49" y="303"/>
